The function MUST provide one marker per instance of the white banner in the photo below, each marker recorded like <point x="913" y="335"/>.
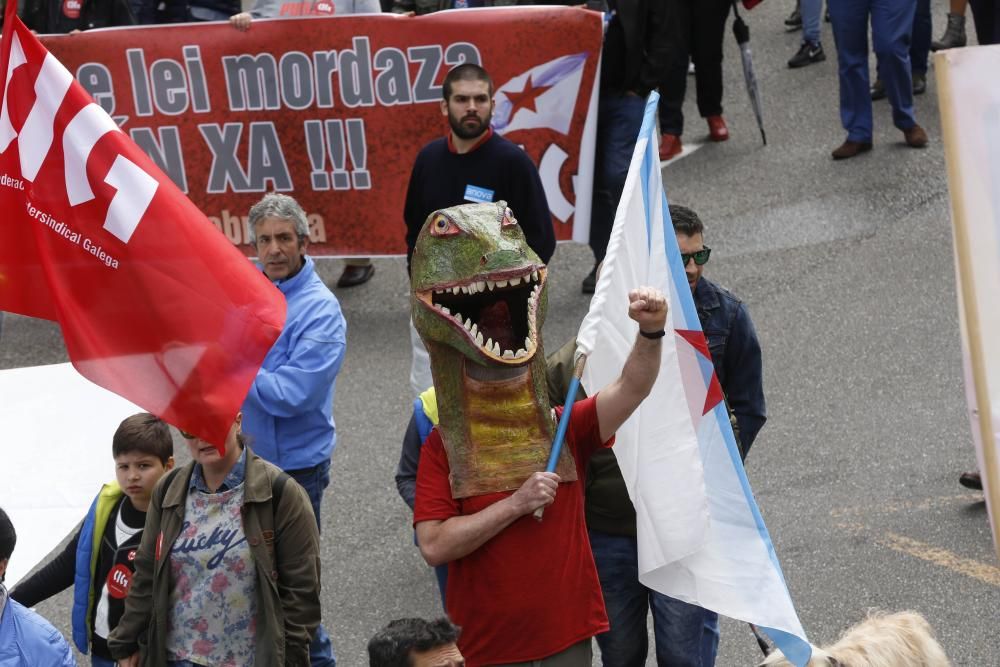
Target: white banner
<point x="969" y="95"/>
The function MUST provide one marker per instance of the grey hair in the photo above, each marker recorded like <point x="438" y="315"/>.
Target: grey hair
<point x="275" y="205"/>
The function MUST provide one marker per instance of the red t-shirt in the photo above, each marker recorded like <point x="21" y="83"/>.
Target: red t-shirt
<point x="531" y="591"/>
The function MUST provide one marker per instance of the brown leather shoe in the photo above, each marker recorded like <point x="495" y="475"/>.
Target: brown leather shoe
<point x="670" y="147"/>
<point x="717" y="130"/>
<point x="354" y="275"/>
<point x="849" y="149"/>
<point x="971" y="480"/>
<point x="915" y="137"/>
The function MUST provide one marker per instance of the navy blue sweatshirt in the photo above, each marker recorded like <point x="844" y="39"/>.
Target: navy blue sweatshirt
<point x="496" y="169"/>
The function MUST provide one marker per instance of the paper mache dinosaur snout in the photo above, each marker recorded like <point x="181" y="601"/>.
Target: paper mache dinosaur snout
<point x="477" y="286"/>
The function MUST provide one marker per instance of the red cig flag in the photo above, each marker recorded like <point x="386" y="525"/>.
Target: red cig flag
<point x="154" y="303"/>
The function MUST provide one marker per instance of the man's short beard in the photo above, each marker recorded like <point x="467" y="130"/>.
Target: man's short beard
<point x="463" y="132"/>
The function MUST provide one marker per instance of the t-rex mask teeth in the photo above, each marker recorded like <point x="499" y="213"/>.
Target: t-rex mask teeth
<point x="496" y="312"/>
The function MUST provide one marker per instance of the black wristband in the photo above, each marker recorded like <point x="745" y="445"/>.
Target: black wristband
<point x="654" y="335"/>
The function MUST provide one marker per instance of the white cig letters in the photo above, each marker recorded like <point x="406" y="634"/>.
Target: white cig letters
<point x="134" y="187"/>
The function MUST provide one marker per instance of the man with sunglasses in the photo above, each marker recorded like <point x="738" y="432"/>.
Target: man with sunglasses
<point x="685" y="635"/>
<point x="732" y="339"/>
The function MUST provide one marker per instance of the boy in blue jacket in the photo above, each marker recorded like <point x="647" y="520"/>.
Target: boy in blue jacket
<point x="98" y="561"/>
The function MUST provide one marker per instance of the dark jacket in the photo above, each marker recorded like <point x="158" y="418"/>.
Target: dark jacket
<point x="732" y="340"/>
<point x="48" y="16"/>
<point x="635" y="54"/>
<point x="284" y="542"/>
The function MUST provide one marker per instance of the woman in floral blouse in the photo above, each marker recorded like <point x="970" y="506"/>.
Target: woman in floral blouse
<point x="228" y="569"/>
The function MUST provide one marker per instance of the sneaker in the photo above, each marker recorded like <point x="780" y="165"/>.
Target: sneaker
<point x="717" y="130"/>
<point x="670" y="147"/>
<point x="590" y="282"/>
<point x="794" y="20"/>
<point x="808" y="54"/>
<point x="878" y="90"/>
<point x="919" y="84"/>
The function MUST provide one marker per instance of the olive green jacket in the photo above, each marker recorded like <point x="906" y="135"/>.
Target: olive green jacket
<point x="284" y="542"/>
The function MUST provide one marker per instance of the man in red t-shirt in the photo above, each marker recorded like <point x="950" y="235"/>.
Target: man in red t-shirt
<point x="524" y="590"/>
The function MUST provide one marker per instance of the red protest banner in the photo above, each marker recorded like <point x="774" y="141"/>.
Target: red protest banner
<point x="153" y="303"/>
<point x="334" y="110"/>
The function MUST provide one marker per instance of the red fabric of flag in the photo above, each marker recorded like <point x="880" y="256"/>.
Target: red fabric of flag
<point x="153" y="301"/>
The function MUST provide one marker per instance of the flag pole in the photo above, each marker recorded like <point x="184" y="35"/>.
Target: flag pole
<point x="557" y="443"/>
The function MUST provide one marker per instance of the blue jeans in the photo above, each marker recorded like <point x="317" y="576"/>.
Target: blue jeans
<point x="812" y="11"/>
<point x="618" y="120"/>
<point x="314" y="481"/>
<point x="686" y="635"/>
<point x="892" y="25"/>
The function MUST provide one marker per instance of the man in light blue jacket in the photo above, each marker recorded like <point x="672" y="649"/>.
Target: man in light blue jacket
<point x="289" y="409"/>
<point x="26" y="639"/>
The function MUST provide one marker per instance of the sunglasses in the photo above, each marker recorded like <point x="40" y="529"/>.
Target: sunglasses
<point x="699" y="257"/>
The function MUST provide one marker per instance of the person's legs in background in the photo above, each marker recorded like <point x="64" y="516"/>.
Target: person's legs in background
<point x="986" y="15"/>
<point x="892" y="25"/>
<point x="618" y="120"/>
<point x="850" y="34"/>
<point x="954" y="32"/>
<point x="626" y="600"/>
<point x="686" y="635"/>
<point x="920" y="45"/>
<point x="709" y="29"/>
<point x="811" y="49"/>
<point x="314" y="481"/>
<point x="674" y="85"/>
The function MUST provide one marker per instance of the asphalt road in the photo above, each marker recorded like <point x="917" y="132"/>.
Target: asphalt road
<point x="847" y="269"/>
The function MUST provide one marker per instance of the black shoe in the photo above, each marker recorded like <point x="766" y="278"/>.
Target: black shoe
<point x="590" y="282"/>
<point x="878" y="90"/>
<point x="354" y="275"/>
<point x="971" y="480"/>
<point x="794" y="20"/>
<point x="919" y="84"/>
<point x="807" y="55"/>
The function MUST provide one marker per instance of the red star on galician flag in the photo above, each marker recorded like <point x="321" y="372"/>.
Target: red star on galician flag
<point x="525" y="99"/>
<point x="697" y="340"/>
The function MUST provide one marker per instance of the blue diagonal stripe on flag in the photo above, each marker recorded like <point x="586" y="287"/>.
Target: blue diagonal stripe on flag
<point x="701" y="537"/>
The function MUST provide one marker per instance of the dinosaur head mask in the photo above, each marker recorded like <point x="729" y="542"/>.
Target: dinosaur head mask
<point x="478" y="302"/>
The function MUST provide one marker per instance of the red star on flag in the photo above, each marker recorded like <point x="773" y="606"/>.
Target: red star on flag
<point x="525" y="99"/>
<point x="696" y="339"/>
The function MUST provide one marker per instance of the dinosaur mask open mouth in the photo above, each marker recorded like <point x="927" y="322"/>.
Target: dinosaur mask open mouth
<point x="496" y="312"/>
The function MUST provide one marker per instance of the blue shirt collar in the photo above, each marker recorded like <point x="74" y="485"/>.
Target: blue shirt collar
<point x="232" y="480"/>
<point x="287" y="284"/>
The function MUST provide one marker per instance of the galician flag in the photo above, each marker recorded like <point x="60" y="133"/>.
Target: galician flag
<point x="153" y="301"/>
<point x="701" y="538"/>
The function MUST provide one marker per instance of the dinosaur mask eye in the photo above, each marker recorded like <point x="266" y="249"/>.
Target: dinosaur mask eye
<point x="442" y="226"/>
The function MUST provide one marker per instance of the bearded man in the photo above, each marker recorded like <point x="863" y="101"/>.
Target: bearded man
<point x="474" y="165"/>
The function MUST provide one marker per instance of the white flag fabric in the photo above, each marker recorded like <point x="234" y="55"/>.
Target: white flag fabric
<point x="701" y="538"/>
<point x="542" y="97"/>
<point x="969" y="97"/>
